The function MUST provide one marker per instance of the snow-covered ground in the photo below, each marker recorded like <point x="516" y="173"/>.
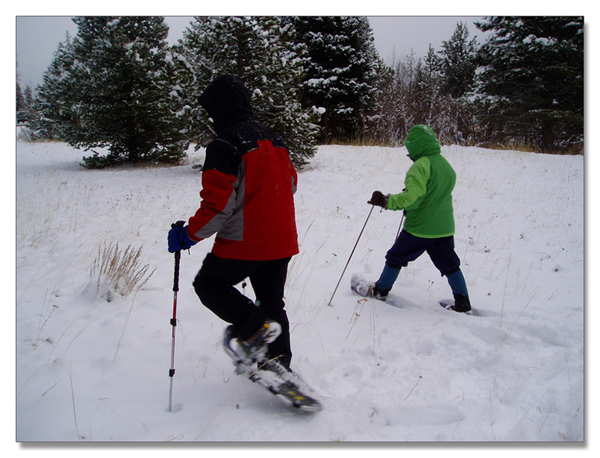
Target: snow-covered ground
<point x="93" y="365"/>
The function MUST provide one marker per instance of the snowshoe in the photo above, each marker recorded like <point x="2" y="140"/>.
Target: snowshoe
<point x="271" y="374"/>
<point x="286" y="386"/>
<point x="247" y="352"/>
<point x="365" y="288"/>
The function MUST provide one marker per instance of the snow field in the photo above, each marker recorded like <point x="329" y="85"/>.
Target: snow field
<point x="93" y="365"/>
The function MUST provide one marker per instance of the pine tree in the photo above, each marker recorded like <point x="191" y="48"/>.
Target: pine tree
<point x="20" y="99"/>
<point x="429" y="93"/>
<point x="262" y="52"/>
<point x="532" y="83"/>
<point x="458" y="62"/>
<point x="25" y="108"/>
<point x="52" y="104"/>
<point x="340" y="72"/>
<point x="385" y="125"/>
<point x="112" y="87"/>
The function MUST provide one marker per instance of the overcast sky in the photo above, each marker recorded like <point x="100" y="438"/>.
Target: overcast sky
<point x="37" y="38"/>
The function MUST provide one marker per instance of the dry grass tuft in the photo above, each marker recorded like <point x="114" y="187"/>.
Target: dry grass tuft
<point x="120" y="269"/>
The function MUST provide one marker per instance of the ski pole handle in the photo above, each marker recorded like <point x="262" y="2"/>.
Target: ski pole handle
<point x="177" y="259"/>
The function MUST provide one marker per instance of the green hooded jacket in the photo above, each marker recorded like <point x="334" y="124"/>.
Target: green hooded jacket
<point x="427" y="197"/>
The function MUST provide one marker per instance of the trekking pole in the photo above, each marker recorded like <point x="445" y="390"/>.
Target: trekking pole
<point x="355" y="245"/>
<point x="174" y="319"/>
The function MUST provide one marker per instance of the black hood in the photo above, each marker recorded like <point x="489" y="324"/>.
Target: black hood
<point x="227" y="101"/>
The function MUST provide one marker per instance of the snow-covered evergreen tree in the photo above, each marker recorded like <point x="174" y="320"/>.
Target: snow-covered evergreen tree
<point x="112" y="87"/>
<point x="20" y="99"/>
<point x="385" y="125"/>
<point x="53" y="105"/>
<point x="532" y="80"/>
<point x="26" y="113"/>
<point x="429" y="97"/>
<point x="340" y="72"/>
<point x="458" y="62"/>
<point x="263" y="53"/>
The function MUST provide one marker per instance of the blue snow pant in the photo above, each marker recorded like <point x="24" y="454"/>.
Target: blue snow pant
<point x="408" y="247"/>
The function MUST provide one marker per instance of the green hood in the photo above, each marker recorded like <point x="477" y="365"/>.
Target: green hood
<point x="421" y="141"/>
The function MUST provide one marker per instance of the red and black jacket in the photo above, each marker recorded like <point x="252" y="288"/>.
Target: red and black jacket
<point x="248" y="182"/>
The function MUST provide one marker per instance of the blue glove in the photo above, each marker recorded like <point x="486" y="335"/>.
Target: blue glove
<point x="178" y="239"/>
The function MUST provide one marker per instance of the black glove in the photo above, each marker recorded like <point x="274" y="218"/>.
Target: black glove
<point x="379" y="199"/>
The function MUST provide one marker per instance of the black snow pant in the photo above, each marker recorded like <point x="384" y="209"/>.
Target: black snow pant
<point x="408" y="247"/>
<point x="214" y="285"/>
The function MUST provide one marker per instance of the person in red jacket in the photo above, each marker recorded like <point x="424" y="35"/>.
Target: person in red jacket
<point x="248" y="182"/>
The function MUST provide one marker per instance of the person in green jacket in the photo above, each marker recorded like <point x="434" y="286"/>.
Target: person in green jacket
<point x="429" y="218"/>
